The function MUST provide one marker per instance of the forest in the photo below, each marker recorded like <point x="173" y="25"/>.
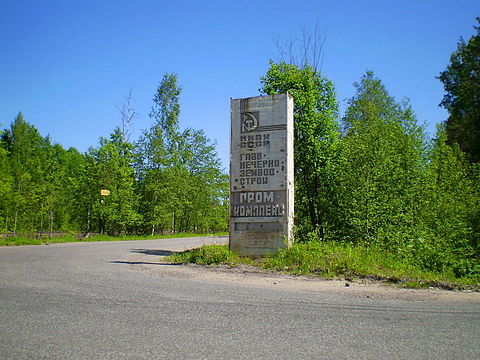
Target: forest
<point x="371" y="177"/>
<point x="168" y="181"/>
<point x="374" y="179"/>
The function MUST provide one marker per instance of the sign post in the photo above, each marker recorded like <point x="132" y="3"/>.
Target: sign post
<point x="261" y="174"/>
<point x="104" y="192"/>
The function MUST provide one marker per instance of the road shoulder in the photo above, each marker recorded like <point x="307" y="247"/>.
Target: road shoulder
<point x="253" y="277"/>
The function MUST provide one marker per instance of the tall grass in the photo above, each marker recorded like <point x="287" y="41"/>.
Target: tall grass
<point x="335" y="260"/>
<point x="209" y="255"/>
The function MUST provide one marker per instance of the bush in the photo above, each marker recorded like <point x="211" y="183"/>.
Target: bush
<point x="206" y="255"/>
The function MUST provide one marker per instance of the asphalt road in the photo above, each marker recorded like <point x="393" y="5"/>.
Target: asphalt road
<point x="83" y="301"/>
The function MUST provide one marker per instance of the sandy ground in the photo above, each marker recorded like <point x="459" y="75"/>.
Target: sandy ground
<point x="251" y="276"/>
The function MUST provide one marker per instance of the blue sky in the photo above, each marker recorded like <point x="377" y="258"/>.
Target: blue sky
<point x="68" y="65"/>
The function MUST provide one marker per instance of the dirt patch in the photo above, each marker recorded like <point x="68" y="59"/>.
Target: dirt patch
<point x="245" y="275"/>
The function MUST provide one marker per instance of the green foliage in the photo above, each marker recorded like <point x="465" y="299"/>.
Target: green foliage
<point x="453" y="196"/>
<point x="378" y="186"/>
<point x="6" y="186"/>
<point x="343" y="259"/>
<point x="461" y="80"/>
<point x="316" y="135"/>
<point x="333" y="259"/>
<point x="208" y="255"/>
<point x="170" y="181"/>
<point x="181" y="182"/>
<point x="166" y="108"/>
<point x="379" y="167"/>
<point x="33" y="179"/>
<point x="109" y="168"/>
<point x="392" y="193"/>
<point x="454" y="170"/>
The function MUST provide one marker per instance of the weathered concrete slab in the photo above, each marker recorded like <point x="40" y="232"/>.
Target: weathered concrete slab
<point x="261" y="174"/>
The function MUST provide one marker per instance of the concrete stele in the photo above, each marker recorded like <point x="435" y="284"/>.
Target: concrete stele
<point x="261" y="174"/>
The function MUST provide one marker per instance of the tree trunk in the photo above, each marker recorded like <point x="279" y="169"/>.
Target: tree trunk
<point x="51" y="223"/>
<point x="88" y="221"/>
<point x="15" y="225"/>
<point x="174" y="220"/>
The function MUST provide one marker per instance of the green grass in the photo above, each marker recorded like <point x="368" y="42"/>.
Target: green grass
<point x="209" y="255"/>
<point x="335" y="260"/>
<point x="23" y="240"/>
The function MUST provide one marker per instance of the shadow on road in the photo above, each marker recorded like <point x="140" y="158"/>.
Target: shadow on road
<point x="142" y="263"/>
<point x="154" y="252"/>
<point x="148" y="252"/>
